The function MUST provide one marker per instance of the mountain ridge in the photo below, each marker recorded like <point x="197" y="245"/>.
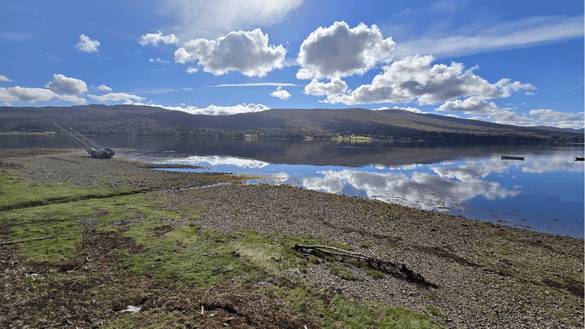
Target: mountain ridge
<point x="290" y="123"/>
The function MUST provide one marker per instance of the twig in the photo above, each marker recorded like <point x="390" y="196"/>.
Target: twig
<point x="201" y="309"/>
<point x="76" y="267"/>
<point x="279" y="299"/>
<point x="208" y="290"/>
<point x="37" y="239"/>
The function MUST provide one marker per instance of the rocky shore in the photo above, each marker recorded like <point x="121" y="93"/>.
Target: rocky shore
<point x="486" y="275"/>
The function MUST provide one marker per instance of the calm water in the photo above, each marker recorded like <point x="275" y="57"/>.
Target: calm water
<point x="543" y="193"/>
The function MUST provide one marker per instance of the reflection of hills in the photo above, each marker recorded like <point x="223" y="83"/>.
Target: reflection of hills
<point x="322" y="153"/>
<point x="296" y="123"/>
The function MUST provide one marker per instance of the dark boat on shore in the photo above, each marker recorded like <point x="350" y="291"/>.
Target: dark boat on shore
<point x="93" y="149"/>
<point x="508" y="157"/>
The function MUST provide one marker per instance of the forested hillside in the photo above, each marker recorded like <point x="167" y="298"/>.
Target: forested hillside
<point x="128" y="120"/>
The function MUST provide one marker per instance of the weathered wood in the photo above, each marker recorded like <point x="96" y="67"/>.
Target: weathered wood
<point x="399" y="270"/>
<point x="37" y="239"/>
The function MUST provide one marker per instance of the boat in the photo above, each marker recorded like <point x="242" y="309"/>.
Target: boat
<point x="579" y="159"/>
<point x="92" y="148"/>
<point x="508" y="157"/>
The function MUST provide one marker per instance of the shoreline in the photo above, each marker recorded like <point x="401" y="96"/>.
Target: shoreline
<point x="486" y="274"/>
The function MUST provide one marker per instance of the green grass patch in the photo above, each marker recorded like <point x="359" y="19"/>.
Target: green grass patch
<point x="435" y="311"/>
<point x="376" y="274"/>
<point x="506" y="251"/>
<point x="17" y="193"/>
<point x="208" y="258"/>
<point x="342" y="273"/>
<point x="334" y="311"/>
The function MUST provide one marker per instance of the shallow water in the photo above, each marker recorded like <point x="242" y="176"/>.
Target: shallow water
<point x="544" y="192"/>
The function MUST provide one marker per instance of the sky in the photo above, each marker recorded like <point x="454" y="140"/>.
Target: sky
<point x="511" y="62"/>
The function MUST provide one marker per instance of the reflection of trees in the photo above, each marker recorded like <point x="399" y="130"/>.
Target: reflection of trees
<point x="215" y="160"/>
<point x="423" y="190"/>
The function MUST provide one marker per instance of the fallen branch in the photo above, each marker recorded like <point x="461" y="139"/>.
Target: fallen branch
<point x="388" y="267"/>
<point x="76" y="267"/>
<point x="37" y="239"/>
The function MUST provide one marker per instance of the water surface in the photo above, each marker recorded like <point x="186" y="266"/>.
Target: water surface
<point x="543" y="193"/>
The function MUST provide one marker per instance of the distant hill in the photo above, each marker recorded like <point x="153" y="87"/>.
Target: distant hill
<point x="282" y="123"/>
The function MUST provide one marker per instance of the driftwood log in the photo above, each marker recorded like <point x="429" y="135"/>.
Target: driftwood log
<point x="396" y="269"/>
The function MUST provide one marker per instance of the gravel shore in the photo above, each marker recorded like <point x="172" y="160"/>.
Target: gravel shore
<point x="487" y="276"/>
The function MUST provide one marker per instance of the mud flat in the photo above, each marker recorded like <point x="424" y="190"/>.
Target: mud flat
<point x="129" y="252"/>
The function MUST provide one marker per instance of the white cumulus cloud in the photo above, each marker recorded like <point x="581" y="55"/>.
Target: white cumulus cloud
<point x="484" y="110"/>
<point x="156" y="38"/>
<point x="192" y="70"/>
<point x="67" y="85"/>
<point x="116" y="97"/>
<point x="338" y="51"/>
<point x="33" y="95"/>
<point x="211" y="19"/>
<point x="414" y="78"/>
<point x="282" y="94"/>
<point x="104" y="88"/>
<point x="4" y="79"/>
<point x="245" y="51"/>
<point x="87" y="45"/>
<point x="409" y="109"/>
<point x="335" y="86"/>
<point x="216" y="110"/>
<point x="559" y="119"/>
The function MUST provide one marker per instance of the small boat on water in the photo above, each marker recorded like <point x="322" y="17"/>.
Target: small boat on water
<point x="93" y="149"/>
<point x="579" y="159"/>
<point x="508" y="157"/>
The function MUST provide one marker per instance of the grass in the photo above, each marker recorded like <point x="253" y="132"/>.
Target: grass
<point x="342" y="273"/>
<point x="335" y="311"/>
<point x="435" y="311"/>
<point x="17" y="193"/>
<point x="506" y="251"/>
<point x="185" y="254"/>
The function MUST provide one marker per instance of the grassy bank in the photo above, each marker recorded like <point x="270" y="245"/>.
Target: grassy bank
<point x="103" y="249"/>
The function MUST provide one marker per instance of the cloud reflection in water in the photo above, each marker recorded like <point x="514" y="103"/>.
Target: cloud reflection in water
<point x="422" y="190"/>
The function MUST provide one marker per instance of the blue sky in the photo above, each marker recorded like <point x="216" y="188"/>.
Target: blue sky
<point x="512" y="62"/>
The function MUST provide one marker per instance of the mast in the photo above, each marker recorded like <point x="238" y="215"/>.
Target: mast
<point x="90" y="142"/>
<point x="73" y="136"/>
